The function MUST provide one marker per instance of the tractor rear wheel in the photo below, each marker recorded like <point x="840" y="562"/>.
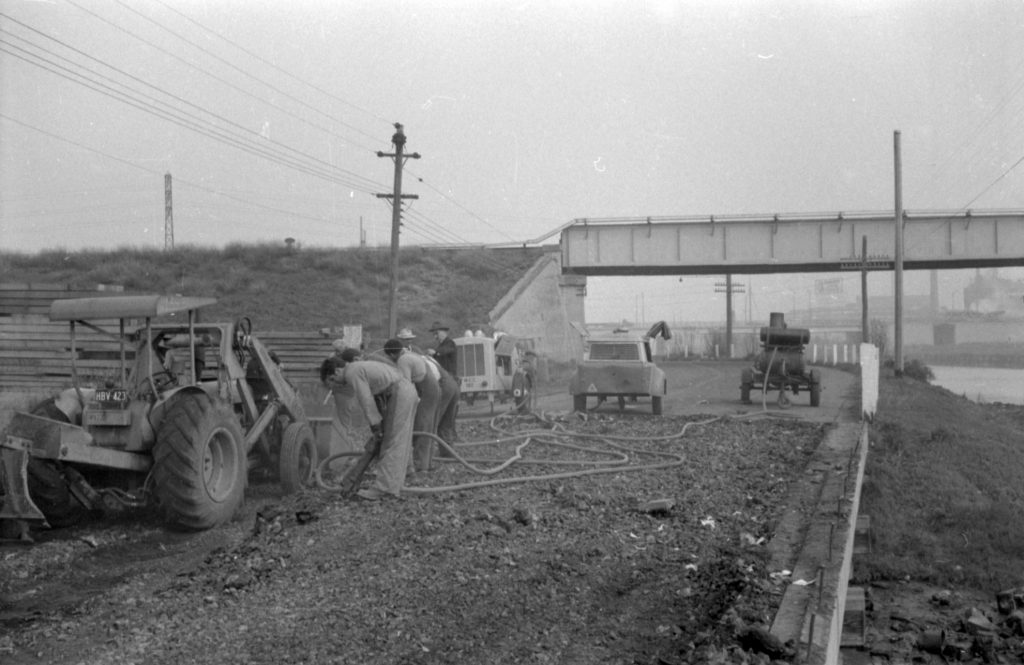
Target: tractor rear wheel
<point x="579" y="403"/>
<point x="200" y="466"/>
<point x="298" y="457"/>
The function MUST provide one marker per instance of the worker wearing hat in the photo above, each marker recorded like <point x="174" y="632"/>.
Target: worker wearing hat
<point x="414" y="367"/>
<point x="445" y="351"/>
<point x="448" y="402"/>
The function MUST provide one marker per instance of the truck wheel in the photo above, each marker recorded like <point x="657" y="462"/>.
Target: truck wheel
<point x="199" y="463"/>
<point x="815" y="387"/>
<point x="656" y="405"/>
<point x="746" y="383"/>
<point x="298" y="457"/>
<point x="579" y="403"/>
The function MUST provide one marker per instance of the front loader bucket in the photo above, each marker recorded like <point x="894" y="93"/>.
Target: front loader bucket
<point x="15" y="502"/>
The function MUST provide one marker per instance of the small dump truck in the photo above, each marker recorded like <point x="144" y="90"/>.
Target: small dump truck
<point x="189" y="409"/>
<point x="780" y="364"/>
<point x="619" y="364"/>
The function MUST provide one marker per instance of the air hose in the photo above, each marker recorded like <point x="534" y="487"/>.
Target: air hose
<point x="554" y="436"/>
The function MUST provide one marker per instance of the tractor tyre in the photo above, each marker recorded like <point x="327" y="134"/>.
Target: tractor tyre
<point x="579" y="403"/>
<point x="49" y="490"/>
<point x="746" y="383"/>
<point x="199" y="463"/>
<point x="522" y="393"/>
<point x="815" y="380"/>
<point x="656" y="405"/>
<point x="298" y="458"/>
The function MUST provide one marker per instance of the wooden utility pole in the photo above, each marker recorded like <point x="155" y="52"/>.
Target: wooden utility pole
<point x="168" y="215"/>
<point x="398" y="139"/>
<point x="728" y="288"/>
<point x="898" y="288"/>
<point x="864" y="290"/>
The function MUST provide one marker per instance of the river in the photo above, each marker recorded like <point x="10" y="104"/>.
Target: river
<point x="982" y="384"/>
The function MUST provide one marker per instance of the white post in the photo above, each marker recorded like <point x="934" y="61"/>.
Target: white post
<point x="814" y="353"/>
<point x="835" y="354"/>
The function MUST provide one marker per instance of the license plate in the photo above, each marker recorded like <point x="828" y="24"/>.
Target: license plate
<point x="111" y="396"/>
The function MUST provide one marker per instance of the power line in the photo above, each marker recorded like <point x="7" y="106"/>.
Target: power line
<point x="274" y="66"/>
<point x="219" y="79"/>
<point x="179" y="181"/>
<point x="243" y="142"/>
<point x="235" y="67"/>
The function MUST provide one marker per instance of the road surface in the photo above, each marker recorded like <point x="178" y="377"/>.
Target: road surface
<point x="713" y="388"/>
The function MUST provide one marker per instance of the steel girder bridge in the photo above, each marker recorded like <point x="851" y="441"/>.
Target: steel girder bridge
<point x="789" y="243"/>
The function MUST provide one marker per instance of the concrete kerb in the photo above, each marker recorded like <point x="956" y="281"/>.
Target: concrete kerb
<point x="811" y="612"/>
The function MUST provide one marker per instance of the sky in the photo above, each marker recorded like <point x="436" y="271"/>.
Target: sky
<point x="269" y="116"/>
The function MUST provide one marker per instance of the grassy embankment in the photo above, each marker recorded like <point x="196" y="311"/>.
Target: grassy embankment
<point x="945" y="488"/>
<point x="284" y="289"/>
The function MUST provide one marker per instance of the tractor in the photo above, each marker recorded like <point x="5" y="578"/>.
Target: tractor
<point x="190" y="408"/>
<point x="780" y="364"/>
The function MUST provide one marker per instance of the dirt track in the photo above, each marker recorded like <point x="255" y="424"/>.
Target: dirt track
<point x="560" y="570"/>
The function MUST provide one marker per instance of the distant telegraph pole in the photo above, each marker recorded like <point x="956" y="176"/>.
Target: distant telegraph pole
<point x="898" y="288"/>
<point x="396" y="220"/>
<point x="168" y="215"/>
<point x="728" y="288"/>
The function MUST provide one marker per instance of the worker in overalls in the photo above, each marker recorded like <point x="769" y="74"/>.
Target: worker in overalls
<point x="392" y="424"/>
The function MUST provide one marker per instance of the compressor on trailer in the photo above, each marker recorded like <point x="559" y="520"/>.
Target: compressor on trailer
<point x="780" y="364"/>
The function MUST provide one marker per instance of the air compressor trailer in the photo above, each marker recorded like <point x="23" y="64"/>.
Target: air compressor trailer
<point x="780" y="364"/>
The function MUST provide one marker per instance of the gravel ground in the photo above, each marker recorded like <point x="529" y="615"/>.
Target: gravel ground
<point x="614" y="540"/>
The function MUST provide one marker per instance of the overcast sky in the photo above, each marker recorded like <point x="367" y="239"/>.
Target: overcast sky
<point x="526" y="115"/>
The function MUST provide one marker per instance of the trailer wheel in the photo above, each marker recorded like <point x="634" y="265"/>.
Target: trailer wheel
<point x="298" y="457"/>
<point x="815" y="388"/>
<point x="656" y="405"/>
<point x="522" y="392"/>
<point x="579" y="403"/>
<point x="199" y="460"/>
<point x="746" y="383"/>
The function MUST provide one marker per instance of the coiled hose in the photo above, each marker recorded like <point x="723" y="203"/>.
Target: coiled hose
<point x="617" y="455"/>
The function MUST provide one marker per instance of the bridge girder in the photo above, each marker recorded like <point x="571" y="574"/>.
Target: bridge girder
<point x="764" y="244"/>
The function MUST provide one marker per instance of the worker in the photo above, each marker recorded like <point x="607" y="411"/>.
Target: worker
<point x="393" y="427"/>
<point x="414" y="367"/>
<point x="445" y="351"/>
<point x="349" y="429"/>
<point x="447" y="406"/>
